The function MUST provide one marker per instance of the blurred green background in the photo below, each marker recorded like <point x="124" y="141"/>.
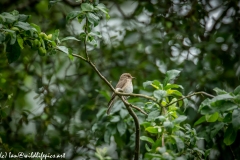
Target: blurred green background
<point x="53" y="105"/>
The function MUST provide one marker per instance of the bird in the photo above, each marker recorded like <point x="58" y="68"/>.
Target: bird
<point x="124" y="85"/>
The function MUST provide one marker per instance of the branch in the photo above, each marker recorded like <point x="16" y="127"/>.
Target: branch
<point x="137" y="126"/>
<point x="137" y="108"/>
<point x="131" y="105"/>
<point x="109" y="84"/>
<point x="188" y="96"/>
<point x="76" y="55"/>
<point x="95" y="68"/>
<point x="136" y="95"/>
<point x="163" y="144"/>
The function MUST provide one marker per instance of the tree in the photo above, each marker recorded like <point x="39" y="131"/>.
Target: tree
<point x="53" y="104"/>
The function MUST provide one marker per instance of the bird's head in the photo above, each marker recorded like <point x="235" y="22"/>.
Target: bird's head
<point x="126" y="76"/>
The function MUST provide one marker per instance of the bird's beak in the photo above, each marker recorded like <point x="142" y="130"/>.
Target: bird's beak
<point x="133" y="77"/>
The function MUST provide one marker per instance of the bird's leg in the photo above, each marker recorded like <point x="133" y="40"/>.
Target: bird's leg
<point x="119" y="90"/>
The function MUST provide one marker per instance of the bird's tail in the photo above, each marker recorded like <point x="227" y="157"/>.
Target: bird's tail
<point x="109" y="108"/>
<point x="110" y="104"/>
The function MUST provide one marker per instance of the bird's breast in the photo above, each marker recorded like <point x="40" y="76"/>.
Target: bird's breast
<point x="129" y="88"/>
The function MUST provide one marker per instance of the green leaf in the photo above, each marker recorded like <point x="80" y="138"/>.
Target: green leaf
<point x="152" y="129"/>
<point x="121" y="127"/>
<point x="13" y="38"/>
<point x="200" y="120"/>
<point x="70" y="56"/>
<point x="223" y="97"/>
<point x="169" y="86"/>
<point x="23" y="17"/>
<point x="13" y="52"/>
<point x="156" y="84"/>
<point x="100" y="113"/>
<point x="145" y="124"/>
<point x="205" y="107"/>
<point x="212" y="117"/>
<point x="25" y="26"/>
<point x="154" y="156"/>
<point x="63" y="49"/>
<point x="196" y="149"/>
<point x="102" y="8"/>
<point x="227" y="117"/>
<point x="147" y="83"/>
<point x="55" y="35"/>
<point x="223" y="105"/>
<point x="148" y="139"/>
<point x="123" y="113"/>
<point x="73" y="15"/>
<point x="94" y="127"/>
<point x="42" y="43"/>
<point x="185" y="104"/>
<point x="36" y="27"/>
<point x="147" y="147"/>
<point x="174" y="92"/>
<point x="219" y="91"/>
<point x="69" y="38"/>
<point x="179" y="143"/>
<point x="180" y="119"/>
<point x="9" y="30"/>
<point x="107" y="136"/>
<point x="236" y="119"/>
<point x="237" y="90"/>
<point x="168" y="125"/>
<point x="87" y="7"/>
<point x="216" y="128"/>
<point x="95" y="34"/>
<point x="161" y="118"/>
<point x="161" y="149"/>
<point x="20" y="41"/>
<point x="149" y="105"/>
<point x="230" y="135"/>
<point x="115" y="119"/>
<point x="93" y="19"/>
<point x="152" y="115"/>
<point x="2" y="38"/>
<point x="159" y="94"/>
<point x="8" y="18"/>
<point x="82" y="36"/>
<point x="170" y="75"/>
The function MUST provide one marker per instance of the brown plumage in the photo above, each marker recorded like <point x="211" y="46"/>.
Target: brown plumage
<point x="124" y="85"/>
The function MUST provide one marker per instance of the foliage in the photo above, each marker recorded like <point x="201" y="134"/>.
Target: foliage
<point x="53" y="105"/>
<point x="169" y="139"/>
<point x="223" y="110"/>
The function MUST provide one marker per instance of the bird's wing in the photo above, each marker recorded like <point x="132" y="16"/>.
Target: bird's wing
<point x="121" y="84"/>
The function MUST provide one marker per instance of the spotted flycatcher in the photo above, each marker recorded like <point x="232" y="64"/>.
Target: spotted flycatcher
<point x="124" y="85"/>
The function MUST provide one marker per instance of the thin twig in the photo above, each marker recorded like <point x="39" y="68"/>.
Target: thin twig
<point x="137" y="126"/>
<point x="76" y="55"/>
<point x="188" y="96"/>
<point x="131" y="105"/>
<point x="137" y="108"/>
<point x="163" y="144"/>
<point x="234" y="157"/>
<point x="136" y="95"/>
